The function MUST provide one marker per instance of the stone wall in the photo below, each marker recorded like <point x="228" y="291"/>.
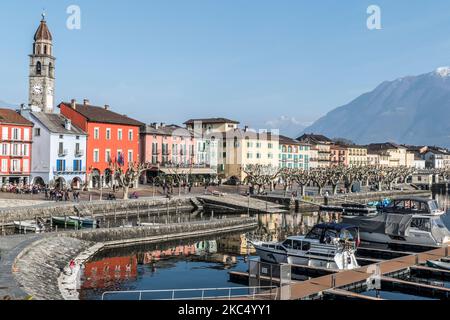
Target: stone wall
<point x="160" y="231"/>
<point x="40" y="267"/>
<point x="106" y="208"/>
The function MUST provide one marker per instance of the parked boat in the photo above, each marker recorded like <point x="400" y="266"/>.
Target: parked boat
<point x="438" y="265"/>
<point x="85" y="222"/>
<point x="405" y="221"/>
<point x="29" y="226"/>
<point x="327" y="245"/>
<point x="65" y="222"/>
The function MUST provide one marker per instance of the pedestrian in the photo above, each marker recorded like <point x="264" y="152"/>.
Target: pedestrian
<point x="72" y="266"/>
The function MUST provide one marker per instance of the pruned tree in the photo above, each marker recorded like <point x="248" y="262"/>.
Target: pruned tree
<point x="287" y="178"/>
<point x="260" y="175"/>
<point x="302" y="178"/>
<point x="180" y="175"/>
<point x="320" y="178"/>
<point x="128" y="176"/>
<point x="335" y="176"/>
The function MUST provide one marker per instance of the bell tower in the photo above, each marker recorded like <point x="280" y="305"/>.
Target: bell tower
<point x="42" y="70"/>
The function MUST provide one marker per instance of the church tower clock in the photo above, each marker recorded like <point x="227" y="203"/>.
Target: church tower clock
<point x="42" y="70"/>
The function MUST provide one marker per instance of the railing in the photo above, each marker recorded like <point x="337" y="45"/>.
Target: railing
<point x="203" y="293"/>
<point x="69" y="170"/>
<point x="79" y="153"/>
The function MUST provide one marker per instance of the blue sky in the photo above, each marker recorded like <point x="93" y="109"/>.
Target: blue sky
<point x="253" y="61"/>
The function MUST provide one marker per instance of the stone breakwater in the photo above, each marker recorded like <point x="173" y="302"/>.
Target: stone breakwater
<point x="38" y="267"/>
<point x="42" y="269"/>
<point x="94" y="208"/>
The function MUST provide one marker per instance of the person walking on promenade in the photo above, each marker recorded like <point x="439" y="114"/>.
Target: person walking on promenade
<point x="72" y="266"/>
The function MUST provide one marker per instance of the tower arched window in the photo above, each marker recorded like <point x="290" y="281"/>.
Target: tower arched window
<point x="38" y="49"/>
<point x="45" y="49"/>
<point x="39" y="68"/>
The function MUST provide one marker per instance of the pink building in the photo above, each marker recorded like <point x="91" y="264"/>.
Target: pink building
<point x="165" y="146"/>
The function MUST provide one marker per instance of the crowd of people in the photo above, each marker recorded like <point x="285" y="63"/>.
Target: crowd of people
<point x="22" y="188"/>
<point x="59" y="195"/>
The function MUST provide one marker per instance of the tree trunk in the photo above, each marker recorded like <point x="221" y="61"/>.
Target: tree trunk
<point x="380" y="186"/>
<point x="320" y="189"/>
<point x="302" y="190"/>
<point x="126" y="191"/>
<point x="335" y="189"/>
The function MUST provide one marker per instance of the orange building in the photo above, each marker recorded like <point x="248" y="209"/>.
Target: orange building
<point x="15" y="148"/>
<point x="112" y="137"/>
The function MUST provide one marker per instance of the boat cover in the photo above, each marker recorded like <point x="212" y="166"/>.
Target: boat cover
<point x="390" y="224"/>
<point x="398" y="224"/>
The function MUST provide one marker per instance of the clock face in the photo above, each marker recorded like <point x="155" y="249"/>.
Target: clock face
<point x="37" y="89"/>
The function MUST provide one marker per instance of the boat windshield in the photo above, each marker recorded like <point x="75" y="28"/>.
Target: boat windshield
<point x="423" y="224"/>
<point x="438" y="223"/>
<point x="349" y="234"/>
<point x="433" y="205"/>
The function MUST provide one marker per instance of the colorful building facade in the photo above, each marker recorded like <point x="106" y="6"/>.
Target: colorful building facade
<point x="112" y="138"/>
<point x="293" y="154"/>
<point x="16" y="148"/>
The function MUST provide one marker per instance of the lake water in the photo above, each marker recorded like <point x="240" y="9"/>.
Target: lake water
<point x="197" y="263"/>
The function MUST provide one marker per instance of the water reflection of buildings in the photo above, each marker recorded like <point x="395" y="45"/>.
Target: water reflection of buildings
<point x="206" y="251"/>
<point x="235" y="244"/>
<point x="100" y="274"/>
<point x="277" y="227"/>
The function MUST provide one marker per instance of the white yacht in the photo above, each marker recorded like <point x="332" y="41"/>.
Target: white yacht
<point x="327" y="245"/>
<point x="404" y="221"/>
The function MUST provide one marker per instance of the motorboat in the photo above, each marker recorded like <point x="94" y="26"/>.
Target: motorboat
<point x="438" y="265"/>
<point x="75" y="222"/>
<point x="404" y="221"/>
<point x="327" y="245"/>
<point x="29" y="226"/>
<point x="85" y="222"/>
<point x="414" y="205"/>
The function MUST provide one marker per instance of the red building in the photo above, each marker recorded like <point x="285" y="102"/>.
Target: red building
<point x="15" y="149"/>
<point x="112" y="137"/>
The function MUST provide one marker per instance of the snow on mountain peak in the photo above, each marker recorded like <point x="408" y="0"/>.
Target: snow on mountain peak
<point x="443" y="71"/>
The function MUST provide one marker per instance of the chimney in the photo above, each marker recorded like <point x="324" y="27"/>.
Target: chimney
<point x="86" y="102"/>
<point x="73" y="104"/>
<point x="106" y="106"/>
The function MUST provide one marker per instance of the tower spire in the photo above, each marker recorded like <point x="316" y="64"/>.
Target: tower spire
<point x="43" y="14"/>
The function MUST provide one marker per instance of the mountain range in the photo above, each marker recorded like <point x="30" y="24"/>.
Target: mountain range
<point x="409" y="110"/>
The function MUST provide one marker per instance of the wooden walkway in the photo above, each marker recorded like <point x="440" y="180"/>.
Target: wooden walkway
<point x="334" y="282"/>
<point x="309" y="289"/>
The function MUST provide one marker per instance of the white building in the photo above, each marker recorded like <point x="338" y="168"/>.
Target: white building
<point x="59" y="151"/>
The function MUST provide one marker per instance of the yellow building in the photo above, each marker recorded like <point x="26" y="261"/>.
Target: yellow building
<point x="357" y="156"/>
<point x="246" y="147"/>
<point x="321" y="145"/>
<point x="236" y="148"/>
<point x="390" y="155"/>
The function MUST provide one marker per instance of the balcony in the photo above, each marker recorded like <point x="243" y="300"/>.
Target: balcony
<point x="63" y="152"/>
<point x="69" y="170"/>
<point x="79" y="153"/>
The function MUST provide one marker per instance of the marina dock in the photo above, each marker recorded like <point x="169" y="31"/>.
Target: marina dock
<point x="240" y="204"/>
<point x="382" y="275"/>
